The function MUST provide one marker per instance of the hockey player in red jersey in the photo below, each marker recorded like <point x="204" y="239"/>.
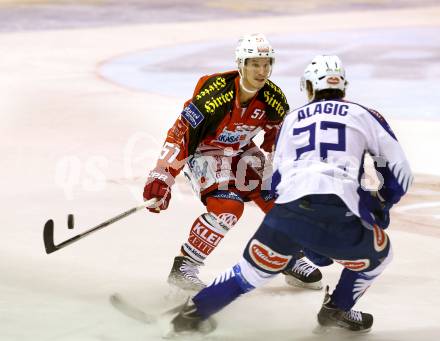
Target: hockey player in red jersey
<point x="213" y="138"/>
<point x="321" y="206"/>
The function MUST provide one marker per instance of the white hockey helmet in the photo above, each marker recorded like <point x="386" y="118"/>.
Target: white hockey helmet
<point x="324" y="72"/>
<point x="253" y="46"/>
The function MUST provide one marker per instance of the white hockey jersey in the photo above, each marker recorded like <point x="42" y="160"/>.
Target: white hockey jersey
<point x="321" y="149"/>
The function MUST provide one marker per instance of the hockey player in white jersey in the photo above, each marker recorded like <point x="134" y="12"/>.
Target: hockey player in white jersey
<point x="321" y="206"/>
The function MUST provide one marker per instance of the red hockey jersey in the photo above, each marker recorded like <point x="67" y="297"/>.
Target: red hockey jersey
<point x="213" y="120"/>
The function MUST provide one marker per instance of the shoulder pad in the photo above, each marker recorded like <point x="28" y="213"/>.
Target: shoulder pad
<point x="215" y="92"/>
<point x="379" y="118"/>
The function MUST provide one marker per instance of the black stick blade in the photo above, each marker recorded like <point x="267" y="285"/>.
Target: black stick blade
<point x="48" y="237"/>
<point x="70" y="221"/>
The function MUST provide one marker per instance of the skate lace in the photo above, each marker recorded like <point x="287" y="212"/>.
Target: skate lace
<point x="190" y="271"/>
<point x="354" y="315"/>
<point x="303" y="268"/>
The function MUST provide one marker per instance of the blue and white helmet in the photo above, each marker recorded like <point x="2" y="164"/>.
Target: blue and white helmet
<point x="253" y="46"/>
<point x="324" y="72"/>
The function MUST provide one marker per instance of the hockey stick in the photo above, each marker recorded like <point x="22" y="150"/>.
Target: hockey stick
<point x="48" y="234"/>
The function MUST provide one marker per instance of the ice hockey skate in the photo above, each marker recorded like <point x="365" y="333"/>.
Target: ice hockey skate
<point x="304" y="275"/>
<point x="187" y="320"/>
<point x="183" y="275"/>
<point x="331" y="316"/>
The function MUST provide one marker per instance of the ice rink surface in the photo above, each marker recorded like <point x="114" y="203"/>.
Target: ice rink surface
<point x="89" y="89"/>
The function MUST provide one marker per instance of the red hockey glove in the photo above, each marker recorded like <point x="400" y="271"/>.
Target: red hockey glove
<point x="158" y="186"/>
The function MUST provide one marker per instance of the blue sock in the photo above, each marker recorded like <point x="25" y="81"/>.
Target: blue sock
<point x="350" y="288"/>
<point x="225" y="289"/>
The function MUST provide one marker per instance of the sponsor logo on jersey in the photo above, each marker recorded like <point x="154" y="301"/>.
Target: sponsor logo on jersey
<point x="277" y="90"/>
<point x="229" y="137"/>
<point x="269" y="98"/>
<point x="241" y="133"/>
<point x="354" y="265"/>
<point x="192" y="115"/>
<point x="218" y="83"/>
<point x="266" y="258"/>
<point x="380" y="238"/>
<point x="216" y="102"/>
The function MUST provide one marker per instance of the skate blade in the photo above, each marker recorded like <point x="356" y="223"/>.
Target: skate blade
<point x="294" y="282"/>
<point x="168" y="332"/>
<point x="338" y="331"/>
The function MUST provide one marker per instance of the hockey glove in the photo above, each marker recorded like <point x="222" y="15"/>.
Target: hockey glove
<point x="158" y="186"/>
<point x="382" y="214"/>
<point x="379" y="208"/>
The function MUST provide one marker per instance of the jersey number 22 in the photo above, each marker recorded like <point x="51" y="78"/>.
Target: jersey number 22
<point x="323" y="147"/>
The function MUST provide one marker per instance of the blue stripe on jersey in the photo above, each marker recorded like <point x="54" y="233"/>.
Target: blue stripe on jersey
<point x="395" y="182"/>
<point x="276" y="179"/>
<point x="281" y="126"/>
